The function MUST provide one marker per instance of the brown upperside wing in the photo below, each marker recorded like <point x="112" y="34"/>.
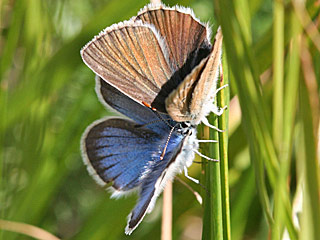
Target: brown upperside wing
<point x="131" y="57"/>
<point x="147" y="57"/>
<point x="187" y="41"/>
<point x="182" y="31"/>
<point x="189" y="102"/>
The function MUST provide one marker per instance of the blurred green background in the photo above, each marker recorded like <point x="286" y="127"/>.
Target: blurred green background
<point x="47" y="99"/>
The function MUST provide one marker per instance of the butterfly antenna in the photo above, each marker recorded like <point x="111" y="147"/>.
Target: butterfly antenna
<point x="154" y="110"/>
<point x="163" y="119"/>
<point x="167" y="143"/>
<point x="152" y="122"/>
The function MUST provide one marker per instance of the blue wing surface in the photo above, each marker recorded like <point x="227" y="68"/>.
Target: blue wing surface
<point x="112" y="97"/>
<point x="117" y="151"/>
<point x="153" y="183"/>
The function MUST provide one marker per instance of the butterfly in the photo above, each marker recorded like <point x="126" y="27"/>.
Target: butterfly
<point x="159" y="70"/>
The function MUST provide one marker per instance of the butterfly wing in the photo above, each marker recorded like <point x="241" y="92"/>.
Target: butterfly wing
<point x="117" y="151"/>
<point x="178" y="102"/>
<point x="148" y="56"/>
<point x="134" y="65"/>
<point x="153" y="184"/>
<point x="131" y="57"/>
<point x="184" y="34"/>
<point x="187" y="41"/>
<point x="205" y="90"/>
<point x="112" y="97"/>
<point x="189" y="101"/>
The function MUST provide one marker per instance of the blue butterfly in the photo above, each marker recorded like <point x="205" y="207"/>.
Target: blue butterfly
<point x="160" y="70"/>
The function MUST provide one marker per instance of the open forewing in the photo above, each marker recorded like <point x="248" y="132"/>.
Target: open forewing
<point x="182" y="31"/>
<point x="130" y="56"/>
<point x="114" y="150"/>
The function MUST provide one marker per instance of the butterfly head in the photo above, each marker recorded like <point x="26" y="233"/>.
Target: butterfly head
<point x="185" y="128"/>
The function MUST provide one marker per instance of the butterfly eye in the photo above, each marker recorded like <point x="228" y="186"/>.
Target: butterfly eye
<point x="185" y="124"/>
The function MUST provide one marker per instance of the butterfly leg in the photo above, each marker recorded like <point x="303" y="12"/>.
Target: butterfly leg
<point x="206" y="122"/>
<point x="220" y="88"/>
<point x="187" y="176"/>
<point x="204" y="156"/>
<point x="215" y="109"/>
